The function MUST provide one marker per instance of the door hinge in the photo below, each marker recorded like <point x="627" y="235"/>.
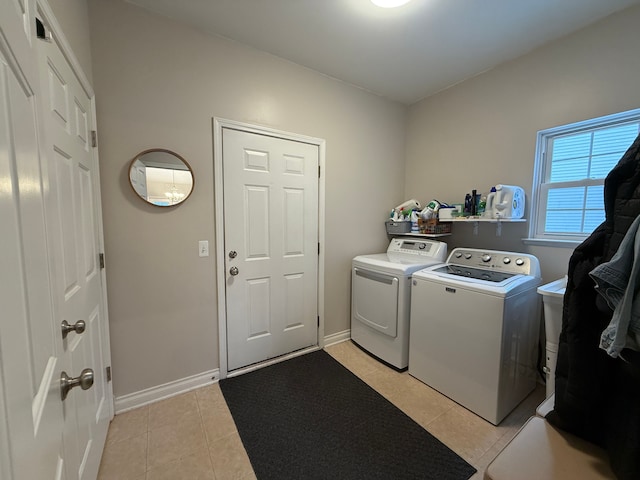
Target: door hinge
<point x="318" y="321"/>
<point x="108" y="373"/>
<point x="318" y="171"/>
<point x="94" y="138"/>
<point x="101" y="260"/>
<point x="318" y="248"/>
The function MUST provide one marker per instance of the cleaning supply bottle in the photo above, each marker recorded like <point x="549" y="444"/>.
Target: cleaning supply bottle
<point x="490" y="204"/>
<point x="467" y="204"/>
<point x="474" y="203"/>
<point x="414" y="222"/>
<point x="482" y="205"/>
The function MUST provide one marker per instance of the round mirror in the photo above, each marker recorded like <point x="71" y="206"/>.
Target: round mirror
<point x="161" y="177"/>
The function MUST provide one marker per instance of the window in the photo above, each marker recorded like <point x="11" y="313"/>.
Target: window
<point x="572" y="162"/>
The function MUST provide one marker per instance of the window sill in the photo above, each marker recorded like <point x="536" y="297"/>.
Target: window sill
<point x="546" y="242"/>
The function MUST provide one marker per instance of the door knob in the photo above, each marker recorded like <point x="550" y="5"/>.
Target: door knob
<point x="79" y="327"/>
<point x="233" y="254"/>
<point x="84" y="381"/>
<point x="234" y="271"/>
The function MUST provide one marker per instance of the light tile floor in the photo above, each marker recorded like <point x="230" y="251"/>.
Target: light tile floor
<point x="192" y="436"/>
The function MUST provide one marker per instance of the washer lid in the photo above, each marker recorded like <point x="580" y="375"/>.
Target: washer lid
<point x="509" y="284"/>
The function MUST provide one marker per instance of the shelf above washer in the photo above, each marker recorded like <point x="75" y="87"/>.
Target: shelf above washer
<point x="482" y="220"/>
<point x="423" y="235"/>
<point x="475" y="220"/>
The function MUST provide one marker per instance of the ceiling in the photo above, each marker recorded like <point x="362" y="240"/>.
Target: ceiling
<point x="404" y="54"/>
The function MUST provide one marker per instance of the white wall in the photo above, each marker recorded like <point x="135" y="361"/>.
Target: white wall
<point x="158" y="83"/>
<point x="73" y="17"/>
<point x="483" y="131"/>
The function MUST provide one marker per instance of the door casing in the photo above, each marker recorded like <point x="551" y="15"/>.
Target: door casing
<point x="218" y="125"/>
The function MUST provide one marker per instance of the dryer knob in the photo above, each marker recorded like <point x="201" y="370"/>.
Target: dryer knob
<point x="467" y="256"/>
<point x="519" y="262"/>
<point x="506" y="260"/>
<point x="486" y="257"/>
<point x="458" y="254"/>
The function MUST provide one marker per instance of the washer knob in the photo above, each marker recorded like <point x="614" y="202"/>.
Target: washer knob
<point x="519" y="262"/>
<point x="458" y="254"/>
<point x="467" y="256"/>
<point x="486" y="257"/>
<point x="506" y="260"/>
<point x="422" y="246"/>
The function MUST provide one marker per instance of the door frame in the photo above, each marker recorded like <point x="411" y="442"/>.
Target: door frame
<point x="218" y="125"/>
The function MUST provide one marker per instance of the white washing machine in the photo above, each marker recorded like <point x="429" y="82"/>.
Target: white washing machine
<point x="381" y="296"/>
<point x="475" y="328"/>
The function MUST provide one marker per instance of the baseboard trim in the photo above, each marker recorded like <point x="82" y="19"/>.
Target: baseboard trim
<point x="171" y="389"/>
<point x="167" y="390"/>
<point x="337" y="337"/>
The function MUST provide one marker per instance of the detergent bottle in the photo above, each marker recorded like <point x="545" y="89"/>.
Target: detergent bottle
<point x="490" y="204"/>
<point x="509" y="202"/>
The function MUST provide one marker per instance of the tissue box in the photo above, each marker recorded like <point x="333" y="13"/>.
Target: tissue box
<point x="394" y="228"/>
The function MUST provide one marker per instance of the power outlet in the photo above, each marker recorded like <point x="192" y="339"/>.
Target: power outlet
<point x="203" y="248"/>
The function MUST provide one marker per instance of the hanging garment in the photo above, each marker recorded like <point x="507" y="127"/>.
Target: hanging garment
<point x="618" y="281"/>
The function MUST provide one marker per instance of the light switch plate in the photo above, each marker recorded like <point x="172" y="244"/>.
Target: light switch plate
<point x="203" y="248"/>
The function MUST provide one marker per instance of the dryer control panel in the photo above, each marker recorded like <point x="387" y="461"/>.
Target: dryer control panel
<point x="418" y="247"/>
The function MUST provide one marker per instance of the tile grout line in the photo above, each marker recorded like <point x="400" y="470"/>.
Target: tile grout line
<point x="146" y="457"/>
<point x="206" y="437"/>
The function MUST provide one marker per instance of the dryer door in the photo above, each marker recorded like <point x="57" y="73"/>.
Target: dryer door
<point x="374" y="300"/>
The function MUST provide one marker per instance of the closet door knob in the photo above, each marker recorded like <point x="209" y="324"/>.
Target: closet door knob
<point x="79" y="327"/>
<point x="234" y="271"/>
<point x="84" y="381"/>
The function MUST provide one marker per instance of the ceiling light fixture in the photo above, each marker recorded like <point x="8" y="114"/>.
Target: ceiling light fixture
<point x="174" y="195"/>
<point x="389" y="3"/>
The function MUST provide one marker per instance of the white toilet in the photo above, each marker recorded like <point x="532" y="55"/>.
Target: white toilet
<point x="552" y="297"/>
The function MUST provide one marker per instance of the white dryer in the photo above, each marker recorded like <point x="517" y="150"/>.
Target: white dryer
<point x="381" y="296"/>
<point x="475" y="329"/>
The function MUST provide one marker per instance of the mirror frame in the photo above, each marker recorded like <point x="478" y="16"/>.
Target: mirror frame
<point x="170" y="152"/>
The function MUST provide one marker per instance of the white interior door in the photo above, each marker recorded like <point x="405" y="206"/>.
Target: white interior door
<point x="76" y="234"/>
<point x="271" y="223"/>
<point x="30" y="345"/>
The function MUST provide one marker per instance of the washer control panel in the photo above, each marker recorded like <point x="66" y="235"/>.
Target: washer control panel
<point x="507" y="262"/>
